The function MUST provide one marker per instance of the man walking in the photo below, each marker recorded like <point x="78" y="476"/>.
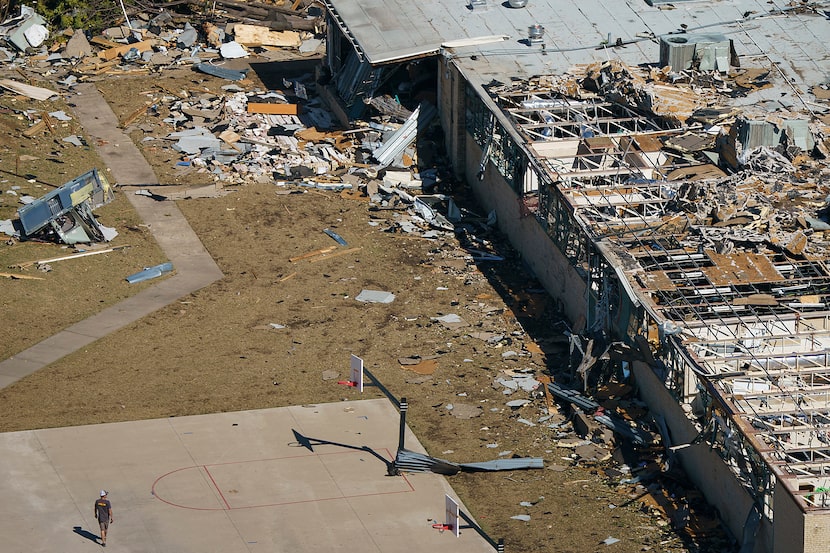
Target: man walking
<point x="103" y="513"/>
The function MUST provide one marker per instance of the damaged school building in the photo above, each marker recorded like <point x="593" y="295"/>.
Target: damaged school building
<point x="661" y="167"/>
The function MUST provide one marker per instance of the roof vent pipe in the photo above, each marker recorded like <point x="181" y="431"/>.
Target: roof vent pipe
<point x="517" y="3"/>
<point x="535" y="34"/>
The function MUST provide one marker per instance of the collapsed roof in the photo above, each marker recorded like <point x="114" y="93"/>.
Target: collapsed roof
<point x="716" y="219"/>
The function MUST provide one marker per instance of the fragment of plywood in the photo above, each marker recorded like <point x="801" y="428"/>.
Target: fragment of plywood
<point x="746" y="268"/>
<point x="797" y="243"/>
<point x="273" y="109"/>
<point x="255" y="35"/>
<point x="717" y="276"/>
<point x="229" y="136"/>
<point x="648" y="143"/>
<point x="657" y="280"/>
<point x="311" y="134"/>
<point x="120" y="50"/>
<point x="754" y="78"/>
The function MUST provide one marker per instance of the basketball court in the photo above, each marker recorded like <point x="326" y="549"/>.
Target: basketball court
<point x="305" y="478"/>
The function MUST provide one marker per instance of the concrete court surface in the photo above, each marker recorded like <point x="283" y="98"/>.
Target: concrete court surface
<point x="226" y="483"/>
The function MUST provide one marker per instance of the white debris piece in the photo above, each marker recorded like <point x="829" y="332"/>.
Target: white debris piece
<point x="517" y="403"/>
<point x="232" y="49"/>
<point x="375" y="296"/>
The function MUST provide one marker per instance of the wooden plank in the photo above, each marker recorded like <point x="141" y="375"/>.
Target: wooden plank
<point x="335" y="254"/>
<point x="35" y="129"/>
<point x="103" y="42"/>
<point x="48" y="120"/>
<point x="135" y="115"/>
<point x="65" y="257"/>
<point x="545" y="380"/>
<point x="122" y="49"/>
<point x="94" y="67"/>
<point x="15" y="276"/>
<point x="273" y="109"/>
<point x="306" y="255"/>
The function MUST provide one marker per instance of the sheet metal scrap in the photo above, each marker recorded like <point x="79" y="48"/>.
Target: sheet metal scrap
<point x="615" y="423"/>
<point x="411" y="461"/>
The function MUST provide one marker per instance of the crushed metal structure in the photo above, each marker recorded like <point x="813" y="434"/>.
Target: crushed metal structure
<point x="728" y="269"/>
<point x="65" y="213"/>
<point x="685" y="208"/>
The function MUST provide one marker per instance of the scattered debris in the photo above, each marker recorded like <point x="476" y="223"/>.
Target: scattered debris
<point x="15" y="276"/>
<point x="451" y="321"/>
<point x="42" y="262"/>
<point x="336" y="237"/>
<point x="150" y="273"/>
<point x="423" y="366"/>
<point x="411" y="461"/>
<point x="463" y="410"/>
<point x="375" y="296"/>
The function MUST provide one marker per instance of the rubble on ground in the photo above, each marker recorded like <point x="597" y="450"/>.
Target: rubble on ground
<point x="737" y="176"/>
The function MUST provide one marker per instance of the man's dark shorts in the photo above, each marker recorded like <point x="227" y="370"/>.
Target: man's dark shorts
<point x="104" y="524"/>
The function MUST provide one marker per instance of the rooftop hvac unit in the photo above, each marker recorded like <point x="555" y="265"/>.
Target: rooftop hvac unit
<point x="709" y="52"/>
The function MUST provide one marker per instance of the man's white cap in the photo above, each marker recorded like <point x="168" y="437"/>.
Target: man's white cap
<point x="103" y="493"/>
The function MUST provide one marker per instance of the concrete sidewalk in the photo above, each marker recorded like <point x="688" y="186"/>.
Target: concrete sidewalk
<point x="194" y="267"/>
<point x="226" y="483"/>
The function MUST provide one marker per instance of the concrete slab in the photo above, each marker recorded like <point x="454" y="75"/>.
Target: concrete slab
<point x="226" y="483"/>
<point x="125" y="164"/>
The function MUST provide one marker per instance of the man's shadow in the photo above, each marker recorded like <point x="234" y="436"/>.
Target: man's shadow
<point x="85" y="534"/>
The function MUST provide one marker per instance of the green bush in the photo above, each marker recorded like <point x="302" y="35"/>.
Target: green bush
<point x="88" y="15"/>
